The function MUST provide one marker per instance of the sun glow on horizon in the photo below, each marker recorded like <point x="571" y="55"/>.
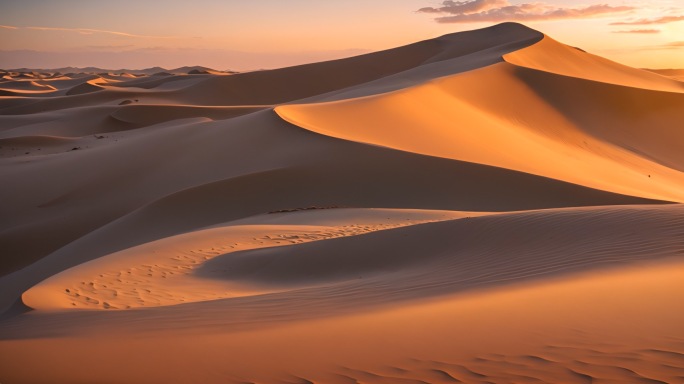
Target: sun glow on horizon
<point x="242" y="36"/>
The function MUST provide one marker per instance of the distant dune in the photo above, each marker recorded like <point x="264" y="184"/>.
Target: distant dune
<point x="197" y="69"/>
<point x="677" y="74"/>
<point x="490" y="206"/>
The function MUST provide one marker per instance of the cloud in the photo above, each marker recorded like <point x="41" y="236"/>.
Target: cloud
<point x="458" y="7"/>
<point x="474" y="11"/>
<point x="109" y="47"/>
<point x="644" y="31"/>
<point x="674" y="45"/>
<point x="667" y="46"/>
<point x="660" y="20"/>
<point x="88" y="31"/>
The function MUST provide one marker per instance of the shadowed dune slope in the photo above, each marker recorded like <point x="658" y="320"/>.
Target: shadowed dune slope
<point x="29" y="86"/>
<point x="145" y="115"/>
<point x="293" y="83"/>
<point x="616" y="138"/>
<point x="482" y="250"/>
<point x="152" y="199"/>
<point x="535" y="293"/>
<point x="377" y="266"/>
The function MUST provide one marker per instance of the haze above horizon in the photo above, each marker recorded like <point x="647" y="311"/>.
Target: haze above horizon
<point x="269" y="34"/>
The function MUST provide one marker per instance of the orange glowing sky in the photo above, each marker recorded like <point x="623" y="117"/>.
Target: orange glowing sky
<point x="244" y="35"/>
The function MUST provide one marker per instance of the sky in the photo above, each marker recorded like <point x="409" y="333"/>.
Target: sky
<point x="248" y="35"/>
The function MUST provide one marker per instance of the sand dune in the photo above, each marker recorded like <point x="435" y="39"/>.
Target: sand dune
<point x="527" y="133"/>
<point x="516" y="318"/>
<point x="294" y="169"/>
<point x="315" y="80"/>
<point x="399" y="261"/>
<point x="26" y="86"/>
<point x="677" y="74"/>
<point x="487" y="206"/>
<point x="550" y="56"/>
<point x="87" y="87"/>
<point x="164" y="276"/>
<point x="145" y="115"/>
<point x="47" y="86"/>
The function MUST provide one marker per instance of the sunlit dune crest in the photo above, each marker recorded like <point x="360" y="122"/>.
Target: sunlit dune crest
<point x="487" y="206"/>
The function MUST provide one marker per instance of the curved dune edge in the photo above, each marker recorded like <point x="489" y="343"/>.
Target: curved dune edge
<point x="89" y="86"/>
<point x="548" y="55"/>
<point x="296" y="168"/>
<point x="162" y="272"/>
<point x="616" y="326"/>
<point x="491" y="116"/>
<point x="27" y="86"/>
<point x="368" y="74"/>
<point x="373" y="253"/>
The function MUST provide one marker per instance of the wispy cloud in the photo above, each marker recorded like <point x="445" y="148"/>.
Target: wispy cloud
<point x="110" y="47"/>
<point x="465" y="7"/>
<point x="88" y="31"/>
<point x="667" y="46"/>
<point x="659" y="20"/>
<point x="674" y="45"/>
<point x="473" y="11"/>
<point x="643" y="31"/>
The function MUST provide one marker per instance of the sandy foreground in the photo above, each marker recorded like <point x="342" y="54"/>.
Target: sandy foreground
<point x="489" y="206"/>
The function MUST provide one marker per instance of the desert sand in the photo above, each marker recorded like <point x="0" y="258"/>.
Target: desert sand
<point x="489" y="206"/>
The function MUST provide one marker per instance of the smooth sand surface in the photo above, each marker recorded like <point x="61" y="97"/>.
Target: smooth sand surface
<point x="490" y="206"/>
<point x="677" y="74"/>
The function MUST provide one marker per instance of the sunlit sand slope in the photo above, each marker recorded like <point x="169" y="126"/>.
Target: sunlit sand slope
<point x="606" y="136"/>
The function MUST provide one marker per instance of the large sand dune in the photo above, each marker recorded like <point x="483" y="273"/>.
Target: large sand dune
<point x="487" y="206"/>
